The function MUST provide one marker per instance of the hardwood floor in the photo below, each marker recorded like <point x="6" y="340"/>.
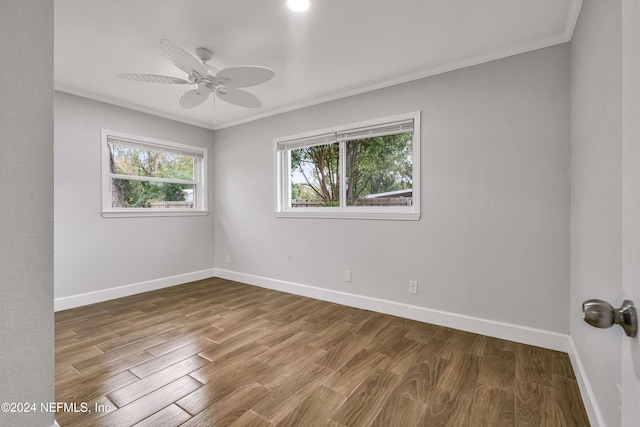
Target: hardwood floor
<point x="221" y="353"/>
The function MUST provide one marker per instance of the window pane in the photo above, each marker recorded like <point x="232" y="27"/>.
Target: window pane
<point x="135" y="161"/>
<point x="315" y="179"/>
<point x="379" y="171"/>
<point x="142" y="194"/>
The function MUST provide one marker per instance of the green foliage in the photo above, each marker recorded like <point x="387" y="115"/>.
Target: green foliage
<point x="319" y="167"/>
<point x="159" y="164"/>
<point x="378" y="165"/>
<point x="373" y="165"/>
<point x="132" y="161"/>
<point x="140" y="194"/>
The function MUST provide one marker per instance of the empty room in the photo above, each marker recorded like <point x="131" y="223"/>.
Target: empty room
<point x="322" y="212"/>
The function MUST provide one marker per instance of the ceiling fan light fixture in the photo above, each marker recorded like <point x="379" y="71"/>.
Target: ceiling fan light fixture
<point x="298" y="5"/>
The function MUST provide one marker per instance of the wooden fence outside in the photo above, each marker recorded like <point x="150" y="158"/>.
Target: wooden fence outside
<point x="171" y="204"/>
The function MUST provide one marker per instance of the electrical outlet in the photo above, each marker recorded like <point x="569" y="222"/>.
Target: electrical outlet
<point x="413" y="287"/>
<point x="227" y="258"/>
<point x="347" y="276"/>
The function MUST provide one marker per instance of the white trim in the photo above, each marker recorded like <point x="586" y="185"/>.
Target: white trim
<point x="72" y="301"/>
<point x="349" y="213"/>
<point x="563" y="37"/>
<point x="282" y="171"/>
<point x="55" y="424"/>
<point x="130" y="106"/>
<point x="387" y="194"/>
<point x="345" y="127"/>
<point x="512" y="332"/>
<point x="433" y="71"/>
<point x="572" y="20"/>
<point x="507" y="331"/>
<point x="135" y="213"/>
<point x="588" y="397"/>
<point x="152" y="179"/>
<point x="153" y="144"/>
<point x="199" y="182"/>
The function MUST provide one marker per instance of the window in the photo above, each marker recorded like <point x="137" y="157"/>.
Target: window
<point x="149" y="177"/>
<point x="364" y="170"/>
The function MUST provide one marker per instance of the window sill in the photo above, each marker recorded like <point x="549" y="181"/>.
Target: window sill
<point x="131" y="213"/>
<point x="329" y="213"/>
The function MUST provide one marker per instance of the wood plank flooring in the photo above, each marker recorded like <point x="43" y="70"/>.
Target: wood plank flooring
<point x="222" y="353"/>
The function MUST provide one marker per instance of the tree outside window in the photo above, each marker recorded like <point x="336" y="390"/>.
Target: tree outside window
<point x="373" y="166"/>
<point x="149" y="177"/>
<point x="140" y="162"/>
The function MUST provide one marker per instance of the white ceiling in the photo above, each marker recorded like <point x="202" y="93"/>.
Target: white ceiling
<point x="335" y="49"/>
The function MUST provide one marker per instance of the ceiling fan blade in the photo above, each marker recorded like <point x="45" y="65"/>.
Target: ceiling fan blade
<point x="153" y="78"/>
<point x="244" y="76"/>
<point x="238" y="97"/>
<point x="193" y="98"/>
<point x="182" y="59"/>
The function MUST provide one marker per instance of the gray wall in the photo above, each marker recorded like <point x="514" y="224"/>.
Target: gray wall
<point x="493" y="240"/>
<point x="93" y="253"/>
<point x="26" y="210"/>
<point x="596" y="200"/>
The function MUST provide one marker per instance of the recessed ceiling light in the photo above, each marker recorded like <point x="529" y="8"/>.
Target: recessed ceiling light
<point x="298" y="5"/>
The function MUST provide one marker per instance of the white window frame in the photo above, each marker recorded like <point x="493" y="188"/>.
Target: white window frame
<point x="282" y="173"/>
<point x="200" y="176"/>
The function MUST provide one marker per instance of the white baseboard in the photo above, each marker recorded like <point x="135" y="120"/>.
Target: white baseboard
<point x="506" y="331"/>
<point x="78" y="300"/>
<point x="588" y="397"/>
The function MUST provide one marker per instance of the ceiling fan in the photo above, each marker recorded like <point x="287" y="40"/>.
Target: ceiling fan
<point x="224" y="83"/>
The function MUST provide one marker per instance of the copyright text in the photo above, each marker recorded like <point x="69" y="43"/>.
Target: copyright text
<point x="53" y="407"/>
